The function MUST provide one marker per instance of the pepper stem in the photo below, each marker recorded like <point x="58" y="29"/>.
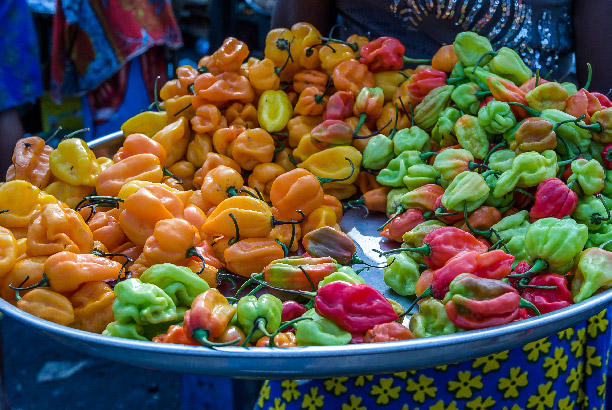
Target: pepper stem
<point x="4" y="211"/>
<point x="502" y="144"/>
<point x="395" y="215"/>
<point x="72" y="134"/>
<point x="54" y="134"/>
<point x="327" y="180"/>
<point x="193" y="252"/>
<point x="284" y="326"/>
<point x="357" y="203"/>
<point x="44" y="281"/>
<point x="362" y="118"/>
<point x="168" y="173"/>
<point x="603" y="245"/>
<point x="231" y="191"/>
<point x="490" y="172"/>
<point x="530" y="306"/>
<point x="486" y="234"/>
<point x="182" y="109"/>
<point x="424" y="156"/>
<point x="441" y="211"/>
<point x="426" y="293"/>
<point x="98" y="252"/>
<point x="394" y="130"/>
<point x="537" y="80"/>
<point x="362" y="137"/>
<point x="481" y="59"/>
<point x="236" y="238"/>
<point x="422" y="250"/>
<point x="17" y="296"/>
<point x="156" y="102"/>
<point x="201" y="336"/>
<point x="248" y="282"/>
<point x="285" y="249"/>
<point x="406" y="112"/>
<point x="289" y="222"/>
<point x="589" y="75"/>
<point x="416" y="60"/>
<point x="530" y="110"/>
<point x="570" y="152"/>
<point x="522" y="191"/>
<point x="312" y="285"/>
<point x="539" y="265"/>
<point x="309" y="295"/>
<point x="596" y="218"/>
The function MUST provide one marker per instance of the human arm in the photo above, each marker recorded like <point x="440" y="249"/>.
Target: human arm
<point x="592" y="33"/>
<point x="320" y="13"/>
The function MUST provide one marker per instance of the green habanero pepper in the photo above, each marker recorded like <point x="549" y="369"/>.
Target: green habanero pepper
<point x="570" y="87"/>
<point x="179" y="282"/>
<point x="259" y="315"/>
<point x="419" y="175"/>
<point x="501" y="160"/>
<point x="513" y="225"/>
<point x="443" y="131"/>
<point x="451" y="162"/>
<point x="472" y="136"/>
<point x="470" y="47"/>
<point x="528" y="169"/>
<point x="590" y="175"/>
<point x="125" y="331"/>
<point x="431" y="320"/>
<point x="550" y="95"/>
<point x="394" y="201"/>
<point x="427" y="112"/>
<point x="552" y="244"/>
<point x="593" y="273"/>
<point x="378" y="152"/>
<point x="496" y="117"/>
<point x="601" y="239"/>
<point x="345" y="273"/>
<point x="320" y="331"/>
<point x="395" y="171"/>
<point x="142" y="303"/>
<point x="414" y="237"/>
<point x="467" y="97"/>
<point x="508" y="64"/>
<point x="467" y="191"/>
<point x="411" y="139"/>
<point x="503" y="201"/>
<point x="401" y="273"/>
<point x="591" y="212"/>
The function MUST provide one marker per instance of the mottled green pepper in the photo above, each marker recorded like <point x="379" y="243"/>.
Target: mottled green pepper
<point x="591" y="212"/>
<point x="467" y="97"/>
<point x="401" y="273"/>
<point x="496" y="117"/>
<point x="601" y="237"/>
<point x="528" y="169"/>
<point x="550" y="95"/>
<point x="468" y="190"/>
<point x="125" y="331"/>
<point x="378" y="152"/>
<point x="411" y="139"/>
<point x="508" y="64"/>
<point x="593" y="273"/>
<point x="419" y="175"/>
<point x="451" y="162"/>
<point x="570" y="87"/>
<point x="179" y="282"/>
<point x="427" y="112"/>
<point x="142" y="303"/>
<point x="414" y="237"/>
<point x="392" y="175"/>
<point x="469" y="47"/>
<point x="320" y="331"/>
<point x="503" y="201"/>
<point x="472" y="136"/>
<point x="345" y="273"/>
<point x="501" y="160"/>
<point x="569" y="131"/>
<point x="553" y="243"/>
<point x="513" y="225"/>
<point x="590" y="175"/>
<point x="443" y="131"/>
<point x="431" y="320"/>
<point x="394" y="200"/>
<point x="516" y="246"/>
<point x="255" y="313"/>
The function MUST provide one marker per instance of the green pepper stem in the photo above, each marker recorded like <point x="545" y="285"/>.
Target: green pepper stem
<point x="482" y="93"/>
<point x="363" y="137"/>
<point x="193" y="252"/>
<point x="287" y="324"/>
<point x="312" y="285"/>
<point x="486" y="234"/>
<point x="502" y="144"/>
<point x="168" y="173"/>
<point x="182" y="109"/>
<point x="223" y="276"/>
<point x="490" y="172"/>
<point x="17" y="296"/>
<point x="416" y="60"/>
<point x="255" y="327"/>
<point x="309" y="295"/>
<point x="201" y="336"/>
<point x="72" y="134"/>
<point x="480" y="60"/>
<point x="422" y="250"/>
<point x="598" y="217"/>
<point x="353" y="46"/>
<point x="362" y="118"/>
<point x="394" y="130"/>
<point x="596" y="128"/>
<point x="285" y="249"/>
<point x="327" y="180"/>
<point x="441" y="211"/>
<point x="537" y="80"/>
<point x="289" y="222"/>
<point x="570" y="152"/>
<point x="539" y="265"/>
<point x="236" y="238"/>
<point x="567" y="161"/>
<point x="44" y="281"/>
<point x="248" y="282"/>
<point x="406" y="111"/>
<point x="589" y="75"/>
<point x="98" y="252"/>
<point x="55" y="133"/>
<point x="156" y="102"/>
<point x="530" y="110"/>
<point x="231" y="191"/>
<point x="426" y="155"/>
<point x="4" y="211"/>
<point x="395" y="215"/>
<point x="530" y="306"/>
<point x="426" y="294"/>
<point x="454" y="80"/>
<point x="255" y="290"/>
<point x="356" y="260"/>
<point x="603" y="245"/>
<point x="522" y="191"/>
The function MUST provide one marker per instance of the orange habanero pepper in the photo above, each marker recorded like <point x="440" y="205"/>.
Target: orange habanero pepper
<point x="253" y="146"/>
<point x="296" y="189"/>
<point x="174" y="137"/>
<point x="206" y="119"/>
<point x="198" y="149"/>
<point x="26" y="272"/>
<point x="251" y="255"/>
<point x="139" y="167"/>
<point x="223" y="89"/>
<point x="220" y="183"/>
<point x="93" y="306"/>
<point x="223" y="140"/>
<point x="310" y="78"/>
<point x="311" y="102"/>
<point x="263" y="76"/>
<point x="48" y="305"/>
<point x="351" y="75"/>
<point x="31" y="162"/>
<point x="244" y="115"/>
<point x="263" y="176"/>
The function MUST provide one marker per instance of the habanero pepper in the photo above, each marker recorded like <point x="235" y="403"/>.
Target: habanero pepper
<point x="93" y="306"/>
<point x="31" y="162"/>
<point x="299" y="273"/>
<point x="548" y="292"/>
<point x="48" y="305"/>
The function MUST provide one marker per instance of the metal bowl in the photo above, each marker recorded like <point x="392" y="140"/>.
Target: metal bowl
<point x="317" y="362"/>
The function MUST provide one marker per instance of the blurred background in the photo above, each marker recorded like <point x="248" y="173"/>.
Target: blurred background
<point x="38" y="372"/>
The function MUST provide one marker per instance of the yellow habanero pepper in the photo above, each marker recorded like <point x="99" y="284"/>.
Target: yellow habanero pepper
<point x="274" y="110"/>
<point x="305" y="149"/>
<point x="320" y="217"/>
<point x="198" y="149"/>
<point x="74" y="163"/>
<point x="21" y="199"/>
<point x="179" y="106"/>
<point x="69" y="194"/>
<point x="389" y="81"/>
<point x="147" y="123"/>
<point x="334" y="163"/>
<point x="9" y="251"/>
<point x="174" y="137"/>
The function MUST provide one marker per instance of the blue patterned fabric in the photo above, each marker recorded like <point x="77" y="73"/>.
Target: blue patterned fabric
<point x="20" y="76"/>
<point x="566" y="371"/>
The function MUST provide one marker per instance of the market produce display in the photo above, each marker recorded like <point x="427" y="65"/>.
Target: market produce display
<point x="216" y="222"/>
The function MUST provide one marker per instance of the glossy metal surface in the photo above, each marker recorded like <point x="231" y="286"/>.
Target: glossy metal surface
<point x="314" y="362"/>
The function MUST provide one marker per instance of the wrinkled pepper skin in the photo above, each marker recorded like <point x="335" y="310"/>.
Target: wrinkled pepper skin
<point x="326" y="241"/>
<point x="468" y="189"/>
<point x="548" y="300"/>
<point x="496" y="117"/>
<point x="67" y="271"/>
<point x="251" y="309"/>
<point x="142" y="303"/>
<point x="320" y="331"/>
<point x="49" y="305"/>
<point x="593" y="273"/>
<point x="93" y="306"/>
<point x="287" y="273"/>
<point x="534" y="134"/>
<point x="210" y="311"/>
<point x="589" y="174"/>
<point x="355" y="307"/>
<point x="431" y="320"/>
<point x="388" y="332"/>
<point x="553" y="199"/>
<point x="475" y="303"/>
<point x="401" y="274"/>
<point x="73" y="162"/>
<point x="469" y="47"/>
<point x="528" y="169"/>
<point x="179" y="282"/>
<point x="31" y="162"/>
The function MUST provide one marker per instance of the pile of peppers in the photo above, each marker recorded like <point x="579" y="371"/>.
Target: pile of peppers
<point x="217" y="221"/>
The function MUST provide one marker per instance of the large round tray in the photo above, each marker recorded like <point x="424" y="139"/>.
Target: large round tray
<point x="315" y="362"/>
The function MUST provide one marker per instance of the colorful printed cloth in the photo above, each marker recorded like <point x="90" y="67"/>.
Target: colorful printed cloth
<point x="20" y="77"/>
<point x="566" y="371"/>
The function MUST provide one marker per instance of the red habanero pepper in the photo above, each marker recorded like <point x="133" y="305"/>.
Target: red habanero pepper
<point x="326" y="241"/>
<point x="388" y="332"/>
<point x="582" y="103"/>
<point x="383" y="54"/>
<point x="403" y="223"/>
<point x="443" y="244"/>
<point x="331" y="133"/>
<point x="175" y="335"/>
<point x="292" y="310"/>
<point x="422" y="82"/>
<point x="474" y="302"/>
<point x="603" y="100"/>
<point x="491" y="265"/>
<point x="208" y="317"/>
<point x="339" y="106"/>
<point x="606" y="156"/>
<point x="553" y="199"/>
<point x="354" y="307"/>
<point x="546" y="299"/>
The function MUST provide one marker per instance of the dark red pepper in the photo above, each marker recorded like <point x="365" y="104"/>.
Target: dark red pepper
<point x="548" y="299"/>
<point x="354" y="307"/>
<point x="606" y="156"/>
<point x="603" y="100"/>
<point x="553" y="199"/>
<point x="383" y="54"/>
<point x="339" y="106"/>
<point x="292" y="310"/>
<point x="401" y="224"/>
<point x="422" y="82"/>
